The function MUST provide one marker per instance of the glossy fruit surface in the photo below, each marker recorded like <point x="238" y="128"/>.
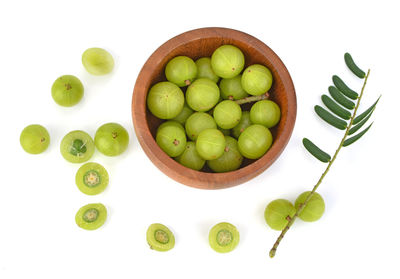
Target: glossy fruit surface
<point x="34" y="139"/>
<point x="190" y="158"/>
<point x="198" y="122"/>
<point x="171" y="138"/>
<point x="111" y="139"/>
<point x="278" y="213"/>
<point x="160" y="238"/>
<point x="255" y="141"/>
<point x="227" y="114"/>
<point x="230" y="160"/>
<point x="91" y="216"/>
<point x="181" y="70"/>
<point x="223" y="237"/>
<point x="265" y="112"/>
<point x="231" y="88"/>
<point x="184" y="114"/>
<point x="314" y="209"/>
<point x="204" y="69"/>
<point x="227" y="61"/>
<point x="243" y="124"/>
<point x="256" y="79"/>
<point x="67" y="90"/>
<point x="210" y="144"/>
<point x="77" y="147"/>
<point x="202" y="95"/>
<point x="97" y="61"/>
<point x="91" y="178"/>
<point x="165" y="100"/>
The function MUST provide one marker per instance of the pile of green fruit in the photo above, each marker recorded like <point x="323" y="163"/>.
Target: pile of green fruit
<point x="204" y="122"/>
<point x="77" y="146"/>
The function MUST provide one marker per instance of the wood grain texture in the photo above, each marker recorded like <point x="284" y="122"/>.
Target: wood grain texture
<point x="200" y="43"/>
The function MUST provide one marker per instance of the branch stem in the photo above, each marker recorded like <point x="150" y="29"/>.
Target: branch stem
<point x="298" y="211"/>
<point x="252" y="99"/>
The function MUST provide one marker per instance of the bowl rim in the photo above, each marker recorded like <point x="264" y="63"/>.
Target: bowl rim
<point x="169" y="166"/>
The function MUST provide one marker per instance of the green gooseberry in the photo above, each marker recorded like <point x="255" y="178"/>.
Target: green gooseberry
<point x="111" y="139"/>
<point x="202" y="95"/>
<point x="230" y="160"/>
<point x="204" y="69"/>
<point x="67" y="90"/>
<point x="314" y="209"/>
<point x="181" y="70"/>
<point x="198" y="122"/>
<point x="34" y="139"/>
<point x="210" y="144"/>
<point x="227" y="61"/>
<point x="265" y="112"/>
<point x="277" y="214"/>
<point x="255" y="141"/>
<point x="77" y="147"/>
<point x="97" y="61"/>
<point x="91" y="216"/>
<point x="256" y="79"/>
<point x="91" y="178"/>
<point x="190" y="158"/>
<point x="223" y="237"/>
<point x="184" y="114"/>
<point x="165" y="100"/>
<point x="171" y="138"/>
<point x="231" y="88"/>
<point x="227" y="114"/>
<point x="160" y="238"/>
<point x="243" y="124"/>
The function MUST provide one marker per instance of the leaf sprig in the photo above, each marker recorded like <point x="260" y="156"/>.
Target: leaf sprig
<point x="341" y="113"/>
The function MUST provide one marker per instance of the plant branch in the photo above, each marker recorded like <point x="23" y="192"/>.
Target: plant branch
<point x="252" y="99"/>
<point x="298" y="211"/>
<point x="246" y="100"/>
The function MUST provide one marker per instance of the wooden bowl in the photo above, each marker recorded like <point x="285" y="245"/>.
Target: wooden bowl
<point x="199" y="43"/>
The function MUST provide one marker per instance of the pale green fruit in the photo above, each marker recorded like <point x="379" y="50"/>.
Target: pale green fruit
<point x="256" y="79"/>
<point x="97" y="61"/>
<point x="314" y="209"/>
<point x="278" y="213"/>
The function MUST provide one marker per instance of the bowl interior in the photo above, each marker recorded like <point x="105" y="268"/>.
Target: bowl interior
<point x="207" y="47"/>
<point x="202" y="43"/>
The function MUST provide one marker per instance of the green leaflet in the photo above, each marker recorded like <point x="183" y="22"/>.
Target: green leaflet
<point x="340" y="98"/>
<point x="365" y="113"/>
<point x="353" y="139"/>
<point x="330" y="118"/>
<point x="352" y="66"/>
<point x="316" y="151"/>
<point x="335" y="108"/>
<point x="360" y="124"/>
<point x="339" y="83"/>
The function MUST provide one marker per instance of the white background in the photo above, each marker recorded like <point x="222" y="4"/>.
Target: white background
<point x="358" y="236"/>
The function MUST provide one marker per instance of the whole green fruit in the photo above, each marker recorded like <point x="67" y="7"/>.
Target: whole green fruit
<point x="313" y="210"/>
<point x="278" y="213"/>
<point x="111" y="139"/>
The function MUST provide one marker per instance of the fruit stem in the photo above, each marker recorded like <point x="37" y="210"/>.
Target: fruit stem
<point x="246" y="100"/>
<point x="252" y="99"/>
<point x="298" y="211"/>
